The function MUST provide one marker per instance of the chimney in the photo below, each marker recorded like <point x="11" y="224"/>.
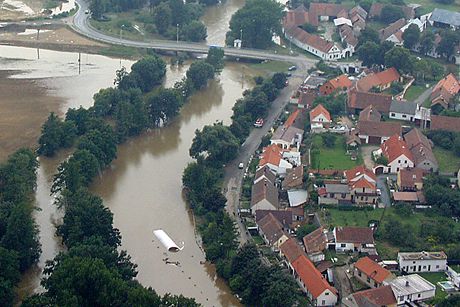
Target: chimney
<point x="407" y="283"/>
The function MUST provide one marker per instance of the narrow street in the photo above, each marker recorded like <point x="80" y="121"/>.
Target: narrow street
<point x="233" y="175"/>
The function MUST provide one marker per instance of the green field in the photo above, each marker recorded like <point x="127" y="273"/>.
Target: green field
<point x="332" y="158"/>
<point x="448" y="161"/>
<point x="414" y="92"/>
<point x="272" y="66"/>
<point x="430" y="5"/>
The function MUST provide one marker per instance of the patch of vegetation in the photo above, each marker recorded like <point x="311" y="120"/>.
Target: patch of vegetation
<point x="272" y="66"/>
<point x="447" y="160"/>
<point x="414" y="91"/>
<point x="323" y="157"/>
<point x="434" y="278"/>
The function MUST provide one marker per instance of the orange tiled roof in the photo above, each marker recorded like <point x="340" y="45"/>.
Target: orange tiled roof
<point x="372" y="269"/>
<point x="291" y="119"/>
<point x="315" y="283"/>
<point x="339" y="82"/>
<point x="359" y="171"/>
<point x="271" y="155"/>
<point x="448" y="87"/>
<point x="319" y="109"/>
<point x="363" y="183"/>
<point x="394" y="147"/>
<point x="381" y="78"/>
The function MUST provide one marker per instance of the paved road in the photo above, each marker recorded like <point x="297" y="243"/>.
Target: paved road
<point x="424" y="96"/>
<point x="381" y="184"/>
<point x="233" y="175"/>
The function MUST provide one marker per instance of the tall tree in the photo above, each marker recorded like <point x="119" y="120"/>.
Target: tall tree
<point x="411" y="36"/>
<point x="391" y="13"/>
<point x="199" y="73"/>
<point x="50" y="139"/>
<point x="216" y="58"/>
<point x="449" y="39"/>
<point x="162" y="16"/>
<point x="400" y="59"/>
<point x="149" y="72"/>
<point x="426" y="42"/>
<point x="195" y="31"/>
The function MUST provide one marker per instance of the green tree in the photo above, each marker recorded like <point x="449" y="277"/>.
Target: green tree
<point x="329" y="139"/>
<point x="452" y="300"/>
<point x="149" y="72"/>
<point x="368" y="53"/>
<point x="162" y="16"/>
<point x="449" y="39"/>
<point x="217" y="141"/>
<point x="399" y="58"/>
<point x="216" y="58"/>
<point x="50" y="139"/>
<point x="194" y="31"/>
<point x="256" y="22"/>
<point x="279" y="80"/>
<point x="426" y="42"/>
<point x="368" y="35"/>
<point x="163" y="106"/>
<point x="199" y="74"/>
<point x="366" y="4"/>
<point x="411" y="36"/>
<point x="9" y="262"/>
<point x="304" y="230"/>
<point x="391" y="13"/>
<point x="97" y="8"/>
<point x="101" y="143"/>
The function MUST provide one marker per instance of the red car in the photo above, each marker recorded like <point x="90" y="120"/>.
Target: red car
<point x="259" y="123"/>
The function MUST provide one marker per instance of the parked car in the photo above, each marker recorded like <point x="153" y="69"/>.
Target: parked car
<point x="87" y="12"/>
<point x="241" y="165"/>
<point x="379" y="192"/>
<point x="259" y="123"/>
<point x="293" y="67"/>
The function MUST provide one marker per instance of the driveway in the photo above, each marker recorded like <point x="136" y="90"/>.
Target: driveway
<point x="233" y="175"/>
<point x="381" y="184"/>
<point x="424" y="96"/>
<point x="342" y="281"/>
<point x="366" y="152"/>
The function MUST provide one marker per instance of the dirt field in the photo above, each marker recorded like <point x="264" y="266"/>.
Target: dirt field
<point x="20" y="9"/>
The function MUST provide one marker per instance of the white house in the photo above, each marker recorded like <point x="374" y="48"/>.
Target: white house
<point x="454" y="276"/>
<point x="320" y="119"/>
<point x="411" y="288"/>
<point x="287" y="137"/>
<point x="403" y="110"/>
<point x="422" y="262"/>
<point x="397" y="153"/>
<point x="354" y="239"/>
<point x="272" y="157"/>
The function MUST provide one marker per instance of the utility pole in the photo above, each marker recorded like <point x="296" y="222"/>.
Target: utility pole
<point x="177" y="33"/>
<point x="241" y="36"/>
<point x="79" y="62"/>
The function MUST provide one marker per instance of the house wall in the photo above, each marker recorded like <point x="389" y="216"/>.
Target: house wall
<point x="327" y="298"/>
<point x="276" y="245"/>
<point x="427" y="165"/>
<point x="321" y="119"/>
<point x="324" y="200"/>
<point x="263" y="205"/>
<point x="453" y="276"/>
<point x="399" y="163"/>
<point x="416" y="296"/>
<point x="332" y="55"/>
<point x="413" y="266"/>
<point x="360" y="199"/>
<point x="341" y="247"/>
<point x="402" y="116"/>
<point x="281" y="143"/>
<point x="363" y="278"/>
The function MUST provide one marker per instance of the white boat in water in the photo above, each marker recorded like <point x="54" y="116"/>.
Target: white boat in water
<point x="167" y="242"/>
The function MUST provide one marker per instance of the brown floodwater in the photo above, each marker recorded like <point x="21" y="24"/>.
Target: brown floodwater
<point x="143" y="187"/>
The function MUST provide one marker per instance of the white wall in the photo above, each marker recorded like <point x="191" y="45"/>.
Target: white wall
<point x="347" y="247"/>
<point x="395" y="165"/>
<point x="413" y="266"/>
<point x="320" y="119"/>
<point x="327" y="298"/>
<point x="417" y="296"/>
<point x="263" y="205"/>
<point x="402" y="116"/>
<point x="453" y="276"/>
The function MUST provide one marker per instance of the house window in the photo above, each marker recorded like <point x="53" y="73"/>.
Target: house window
<point x="392" y="114"/>
<point x="344" y="195"/>
<point x="399" y="161"/>
<point x="419" y="295"/>
<point x="324" y="302"/>
<point x="401" y="298"/>
<point x="343" y="245"/>
<point x="327" y="293"/>
<point x="359" y="273"/>
<point x="437" y="266"/>
<point x="404" y="115"/>
<point x="424" y="267"/>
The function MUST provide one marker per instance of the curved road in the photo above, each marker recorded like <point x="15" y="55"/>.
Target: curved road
<point x="81" y="25"/>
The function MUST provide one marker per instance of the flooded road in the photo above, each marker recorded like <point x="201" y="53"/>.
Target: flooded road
<point x="143" y="188"/>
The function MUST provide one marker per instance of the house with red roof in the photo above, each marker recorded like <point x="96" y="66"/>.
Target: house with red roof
<point x="288" y="135"/>
<point x="272" y="231"/>
<point x="371" y="273"/>
<point x="375" y="297"/>
<point x="381" y="80"/>
<point x="315" y="243"/>
<point x="362" y="184"/>
<point x="340" y="83"/>
<point x="398" y="154"/>
<point x="354" y="239"/>
<point x="444" y="91"/>
<point x="312" y="282"/>
<point x="447" y="123"/>
<point x="320" y="119"/>
<point x="376" y="132"/>
<point x="272" y="156"/>
<point x="358" y="101"/>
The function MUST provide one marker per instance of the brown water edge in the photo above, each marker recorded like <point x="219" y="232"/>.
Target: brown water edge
<point x="24" y="106"/>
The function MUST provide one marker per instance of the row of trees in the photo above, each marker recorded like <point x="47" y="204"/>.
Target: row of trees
<point x="448" y="140"/>
<point x="19" y="245"/>
<point x="93" y="272"/>
<point x="256" y="283"/>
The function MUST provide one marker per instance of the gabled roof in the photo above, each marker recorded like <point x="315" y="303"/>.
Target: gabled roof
<point x="319" y="109"/>
<point x="295" y="18"/>
<point x="394" y="147"/>
<point x="283" y="216"/>
<point x="339" y="82"/>
<point x="271" y="155"/>
<point x="361" y="100"/>
<point x="419" y="146"/>
<point x="315" y="283"/>
<point x="379" y="129"/>
<point x="447" y="87"/>
<point x="264" y="189"/>
<point x="370" y="114"/>
<point x="292" y="118"/>
<point x="409" y="177"/>
<point x="381" y="78"/>
<point x="372" y="269"/>
<point x="445" y="16"/>
<point x="315" y="241"/>
<point x="294" y="178"/>
<point x="376" y="297"/>
<point x="403" y="107"/>
<point x="325" y="9"/>
<point x="272" y="228"/>
<point x="360" y="235"/>
<point x="286" y="134"/>
<point x="306" y="98"/>
<point x="447" y="123"/>
<point x="311" y="40"/>
<point x="265" y="172"/>
<point x="359" y="172"/>
<point x="358" y="10"/>
<point x="392" y="28"/>
<point x="291" y="250"/>
<point x="363" y="183"/>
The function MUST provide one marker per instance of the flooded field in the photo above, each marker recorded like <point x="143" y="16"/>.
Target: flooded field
<point x="143" y="188"/>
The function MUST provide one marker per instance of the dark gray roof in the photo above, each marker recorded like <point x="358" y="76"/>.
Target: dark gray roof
<point x="445" y="16"/>
<point x="403" y="107"/>
<point x="337" y="188"/>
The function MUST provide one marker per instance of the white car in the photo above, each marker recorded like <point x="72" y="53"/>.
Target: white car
<point x="379" y="192"/>
<point x="241" y="165"/>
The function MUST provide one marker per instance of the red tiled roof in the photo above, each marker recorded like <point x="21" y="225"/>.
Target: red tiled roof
<point x="271" y="155"/>
<point x="376" y="10"/>
<point x="291" y="250"/>
<point x="312" y="40"/>
<point x="447" y="123"/>
<point x="384" y="77"/>
<point x="405" y="196"/>
<point x="283" y="216"/>
<point x="372" y="269"/>
<point x="370" y="114"/>
<point x="381" y="296"/>
<point x="319" y="109"/>
<point x="409" y="177"/>
<point x="296" y="17"/>
<point x="394" y="147"/>
<point x="446" y="88"/>
<point x="363" y="183"/>
<point x="272" y="228"/>
<point x="325" y="9"/>
<point x="315" y="241"/>
<point x="340" y="82"/>
<point x="361" y="235"/>
<point x="393" y="28"/>
<point x="379" y="129"/>
<point x="359" y="172"/>
<point x="315" y="283"/>
<point x="291" y="118"/>
<point x="361" y="100"/>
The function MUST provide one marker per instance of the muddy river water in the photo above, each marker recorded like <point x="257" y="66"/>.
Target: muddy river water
<point x="143" y="186"/>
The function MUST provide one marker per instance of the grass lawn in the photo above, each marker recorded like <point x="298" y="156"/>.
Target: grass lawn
<point x="414" y="92"/>
<point x="448" y="161"/>
<point x="434" y="278"/>
<point x="332" y="158"/>
<point x="430" y="5"/>
<point x="272" y="66"/>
